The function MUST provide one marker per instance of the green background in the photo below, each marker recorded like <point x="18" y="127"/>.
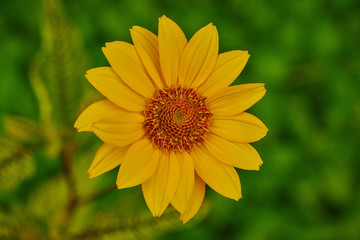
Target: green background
<point x="307" y="54"/>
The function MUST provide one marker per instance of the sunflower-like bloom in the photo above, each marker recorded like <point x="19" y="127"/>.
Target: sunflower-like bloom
<point x="170" y="119"/>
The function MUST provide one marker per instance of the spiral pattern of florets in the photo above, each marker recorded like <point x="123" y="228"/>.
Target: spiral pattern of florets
<point x="177" y="119"/>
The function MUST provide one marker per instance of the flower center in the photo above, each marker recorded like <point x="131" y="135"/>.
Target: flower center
<point x="177" y="119"/>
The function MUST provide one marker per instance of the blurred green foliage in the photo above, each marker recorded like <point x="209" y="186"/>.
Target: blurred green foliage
<point x="307" y="53"/>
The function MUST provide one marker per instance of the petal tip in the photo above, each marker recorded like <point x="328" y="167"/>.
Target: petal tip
<point x="83" y="129"/>
<point x="163" y="18"/>
<point x="265" y="128"/>
<point x="134" y="28"/>
<point x="120" y="184"/>
<point x="262" y="89"/>
<point x="239" y="196"/>
<point x="210" y="27"/>
<point x="91" y="176"/>
<point x="185" y="218"/>
<point x="80" y="126"/>
<point x="91" y="70"/>
<point x="103" y="49"/>
<point x="109" y="44"/>
<point x="155" y="213"/>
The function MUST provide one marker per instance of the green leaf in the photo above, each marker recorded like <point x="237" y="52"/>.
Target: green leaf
<point x="16" y="163"/>
<point x="7" y="229"/>
<point x="124" y="220"/>
<point x="16" y="223"/>
<point x="48" y="204"/>
<point x="113" y="225"/>
<point x="22" y="129"/>
<point x="58" y="69"/>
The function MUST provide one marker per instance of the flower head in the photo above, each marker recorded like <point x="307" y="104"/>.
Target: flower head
<point x="170" y="119"/>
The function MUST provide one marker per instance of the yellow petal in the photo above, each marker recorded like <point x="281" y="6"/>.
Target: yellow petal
<point x="111" y="124"/>
<point x="125" y="61"/>
<point x="118" y="133"/>
<point x="146" y="44"/>
<point x="107" y="158"/>
<point x="186" y="185"/>
<point x="240" y="155"/>
<point x="160" y="188"/>
<point x="219" y="176"/>
<point x="243" y="128"/>
<point x="172" y="41"/>
<point x="104" y="110"/>
<point x="199" y="57"/>
<point x="234" y="100"/>
<point x="228" y="67"/>
<point x="196" y="200"/>
<point x="105" y="80"/>
<point x="138" y="165"/>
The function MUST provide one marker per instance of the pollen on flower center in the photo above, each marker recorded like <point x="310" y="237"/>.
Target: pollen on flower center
<point x="177" y="119"/>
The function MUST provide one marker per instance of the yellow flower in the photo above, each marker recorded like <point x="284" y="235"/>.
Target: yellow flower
<point x="170" y="119"/>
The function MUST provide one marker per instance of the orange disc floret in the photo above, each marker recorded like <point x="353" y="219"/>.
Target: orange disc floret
<point x="177" y="119"/>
